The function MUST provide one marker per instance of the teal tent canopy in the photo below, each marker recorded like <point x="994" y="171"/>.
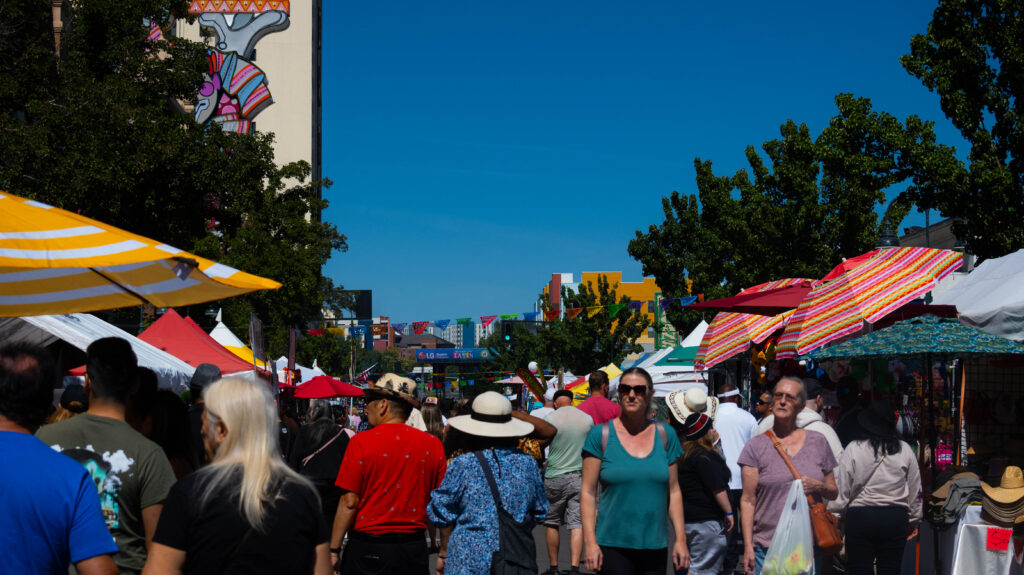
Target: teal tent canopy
<point x="919" y="336"/>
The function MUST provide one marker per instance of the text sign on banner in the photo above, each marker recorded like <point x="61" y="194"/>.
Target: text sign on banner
<point x="531" y="381"/>
<point x="998" y="539"/>
<point x="457" y="355"/>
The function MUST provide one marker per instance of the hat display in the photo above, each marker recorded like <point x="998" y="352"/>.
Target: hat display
<point x="943" y="491"/>
<point x="1011" y="487"/>
<point x="393" y="386"/>
<point x="491" y="416"/>
<point x="204" y="375"/>
<point x="74" y="398"/>
<point x="682" y="403"/>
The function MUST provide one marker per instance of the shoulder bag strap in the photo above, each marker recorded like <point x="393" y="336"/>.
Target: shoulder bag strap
<point x="308" y="458"/>
<point x="792" y="468"/>
<point x="490" y="478"/>
<point x="661" y="433"/>
<point x="865" y="484"/>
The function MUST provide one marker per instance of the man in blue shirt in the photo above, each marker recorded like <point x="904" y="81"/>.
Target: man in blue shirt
<point x="49" y="503"/>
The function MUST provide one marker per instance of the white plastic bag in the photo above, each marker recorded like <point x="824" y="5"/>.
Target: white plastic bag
<point x="792" y="548"/>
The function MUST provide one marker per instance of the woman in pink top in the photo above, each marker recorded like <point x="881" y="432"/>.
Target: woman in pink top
<point x="767" y="478"/>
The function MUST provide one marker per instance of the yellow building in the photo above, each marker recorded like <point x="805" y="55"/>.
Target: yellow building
<point x="646" y="290"/>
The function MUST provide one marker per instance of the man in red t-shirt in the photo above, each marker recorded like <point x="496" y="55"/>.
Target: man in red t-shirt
<point x="598" y="406"/>
<point x="386" y="478"/>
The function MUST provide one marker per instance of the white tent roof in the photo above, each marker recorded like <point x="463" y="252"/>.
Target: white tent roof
<point x="80" y="329"/>
<point x="224" y="336"/>
<point x="990" y="297"/>
<point x="307" y="373"/>
<point x="695" y="336"/>
<point x="669" y="378"/>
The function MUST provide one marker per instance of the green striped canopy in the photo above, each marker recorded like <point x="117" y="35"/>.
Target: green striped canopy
<point x="919" y="336"/>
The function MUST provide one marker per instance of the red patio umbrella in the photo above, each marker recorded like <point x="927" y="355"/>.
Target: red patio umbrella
<point x="324" y="386"/>
<point x="770" y="299"/>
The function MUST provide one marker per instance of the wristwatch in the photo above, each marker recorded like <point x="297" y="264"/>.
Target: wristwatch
<point x="335" y="550"/>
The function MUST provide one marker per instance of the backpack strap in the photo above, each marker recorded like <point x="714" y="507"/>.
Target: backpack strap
<point x="490" y="478"/>
<point x="657" y="425"/>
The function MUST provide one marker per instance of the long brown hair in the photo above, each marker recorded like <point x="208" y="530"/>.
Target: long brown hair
<point x="432" y="419"/>
<point x="695" y="446"/>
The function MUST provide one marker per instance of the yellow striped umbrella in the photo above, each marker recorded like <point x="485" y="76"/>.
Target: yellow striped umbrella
<point x="731" y="333"/>
<point x="53" y="261"/>
<point x="866" y="291"/>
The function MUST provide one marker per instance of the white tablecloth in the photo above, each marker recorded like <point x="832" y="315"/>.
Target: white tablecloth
<point x="970" y="555"/>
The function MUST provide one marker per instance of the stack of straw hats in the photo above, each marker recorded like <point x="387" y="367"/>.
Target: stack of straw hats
<point x="1004" y="505"/>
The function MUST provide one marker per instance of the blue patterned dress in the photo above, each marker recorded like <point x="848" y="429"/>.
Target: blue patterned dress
<point x="464" y="500"/>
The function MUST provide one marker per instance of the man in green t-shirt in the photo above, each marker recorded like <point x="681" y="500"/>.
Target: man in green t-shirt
<point x="131" y="473"/>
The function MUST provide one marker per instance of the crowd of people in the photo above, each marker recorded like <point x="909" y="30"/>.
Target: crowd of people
<point x="124" y="477"/>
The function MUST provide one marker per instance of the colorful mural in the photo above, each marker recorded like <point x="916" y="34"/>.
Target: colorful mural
<point x="235" y="89"/>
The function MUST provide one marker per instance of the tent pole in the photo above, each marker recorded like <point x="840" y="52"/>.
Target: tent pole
<point x="961" y="447"/>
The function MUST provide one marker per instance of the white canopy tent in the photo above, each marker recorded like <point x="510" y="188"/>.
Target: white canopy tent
<point x="668" y="377"/>
<point x="80" y="329"/>
<point x="990" y="298"/>
<point x="307" y="373"/>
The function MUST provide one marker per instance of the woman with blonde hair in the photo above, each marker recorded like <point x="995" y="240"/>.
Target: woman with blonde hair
<point x="245" y="512"/>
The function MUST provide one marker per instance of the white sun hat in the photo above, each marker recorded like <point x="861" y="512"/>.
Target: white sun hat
<point x="491" y="416"/>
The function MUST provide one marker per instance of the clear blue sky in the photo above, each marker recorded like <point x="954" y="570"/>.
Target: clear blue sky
<point x="477" y="147"/>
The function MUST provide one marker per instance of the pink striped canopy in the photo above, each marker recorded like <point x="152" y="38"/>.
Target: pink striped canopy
<point x="732" y="333"/>
<point x="866" y="292"/>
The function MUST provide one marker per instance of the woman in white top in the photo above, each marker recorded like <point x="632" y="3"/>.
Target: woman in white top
<point x="879" y="487"/>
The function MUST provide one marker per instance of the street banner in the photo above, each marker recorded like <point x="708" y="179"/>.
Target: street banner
<point x="487" y="320"/>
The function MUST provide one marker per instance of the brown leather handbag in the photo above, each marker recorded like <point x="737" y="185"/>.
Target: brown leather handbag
<point x="827" y="536"/>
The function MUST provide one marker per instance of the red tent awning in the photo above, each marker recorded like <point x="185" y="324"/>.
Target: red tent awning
<point x="187" y="341"/>
<point x="770" y="302"/>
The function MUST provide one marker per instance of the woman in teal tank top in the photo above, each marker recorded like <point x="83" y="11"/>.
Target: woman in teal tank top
<point x="635" y="462"/>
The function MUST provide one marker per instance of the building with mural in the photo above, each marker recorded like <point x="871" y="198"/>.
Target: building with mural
<point x="265" y="71"/>
<point x="646" y="290"/>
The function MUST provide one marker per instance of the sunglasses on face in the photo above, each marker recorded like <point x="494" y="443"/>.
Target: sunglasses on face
<point x="639" y="390"/>
<point x="791" y="398"/>
<point x="763" y="402"/>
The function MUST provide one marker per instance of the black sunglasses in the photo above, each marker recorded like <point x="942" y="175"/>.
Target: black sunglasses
<point x="625" y="390"/>
<point x="763" y="402"/>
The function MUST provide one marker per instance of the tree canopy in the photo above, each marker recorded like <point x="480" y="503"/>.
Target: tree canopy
<point x="100" y="130"/>
<point x="812" y="203"/>
<point x="973" y="58"/>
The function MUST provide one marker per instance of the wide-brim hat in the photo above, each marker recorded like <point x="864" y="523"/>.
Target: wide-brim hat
<point x="943" y="491"/>
<point x="879" y="419"/>
<point x="491" y="416"/>
<point x="683" y="403"/>
<point x="393" y="386"/>
<point x="1010" y="489"/>
<point x="995" y="513"/>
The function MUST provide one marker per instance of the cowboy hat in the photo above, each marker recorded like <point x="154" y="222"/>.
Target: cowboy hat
<point x="1011" y="486"/>
<point x="943" y="491"/>
<point x="392" y="386"/>
<point x="682" y="403"/>
<point x="491" y="416"/>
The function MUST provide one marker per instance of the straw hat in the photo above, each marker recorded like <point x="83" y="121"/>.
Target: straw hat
<point x="1011" y="487"/>
<point x="683" y="403"/>
<point x="491" y="416"/>
<point x="392" y="386"/>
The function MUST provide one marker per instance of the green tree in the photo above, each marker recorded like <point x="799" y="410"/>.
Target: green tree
<point x="579" y="345"/>
<point x="101" y="131"/>
<point x="812" y="204"/>
<point x="972" y="56"/>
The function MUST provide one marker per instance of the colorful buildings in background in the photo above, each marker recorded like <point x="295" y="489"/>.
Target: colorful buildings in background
<point x="645" y="290"/>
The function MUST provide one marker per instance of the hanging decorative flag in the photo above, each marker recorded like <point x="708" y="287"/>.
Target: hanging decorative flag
<point x="615" y="308"/>
<point x="594" y="310"/>
<point x="530" y="315"/>
<point x="636" y="305"/>
<point x="509" y="315"/>
<point x="687" y="300"/>
<point x="357" y="330"/>
<point x="487" y="320"/>
<point x="551" y="314"/>
<point x="464" y="320"/>
<point x="572" y="312"/>
<point x="379" y="329"/>
<point x="419" y="326"/>
<point x="442" y="323"/>
<point x="472" y="382"/>
<point x="400" y="327"/>
<point x="665" y="302"/>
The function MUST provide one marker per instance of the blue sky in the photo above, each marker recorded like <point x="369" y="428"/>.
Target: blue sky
<point x="478" y="147"/>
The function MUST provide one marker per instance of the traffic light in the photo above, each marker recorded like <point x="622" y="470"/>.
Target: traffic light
<point x="506" y="331"/>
